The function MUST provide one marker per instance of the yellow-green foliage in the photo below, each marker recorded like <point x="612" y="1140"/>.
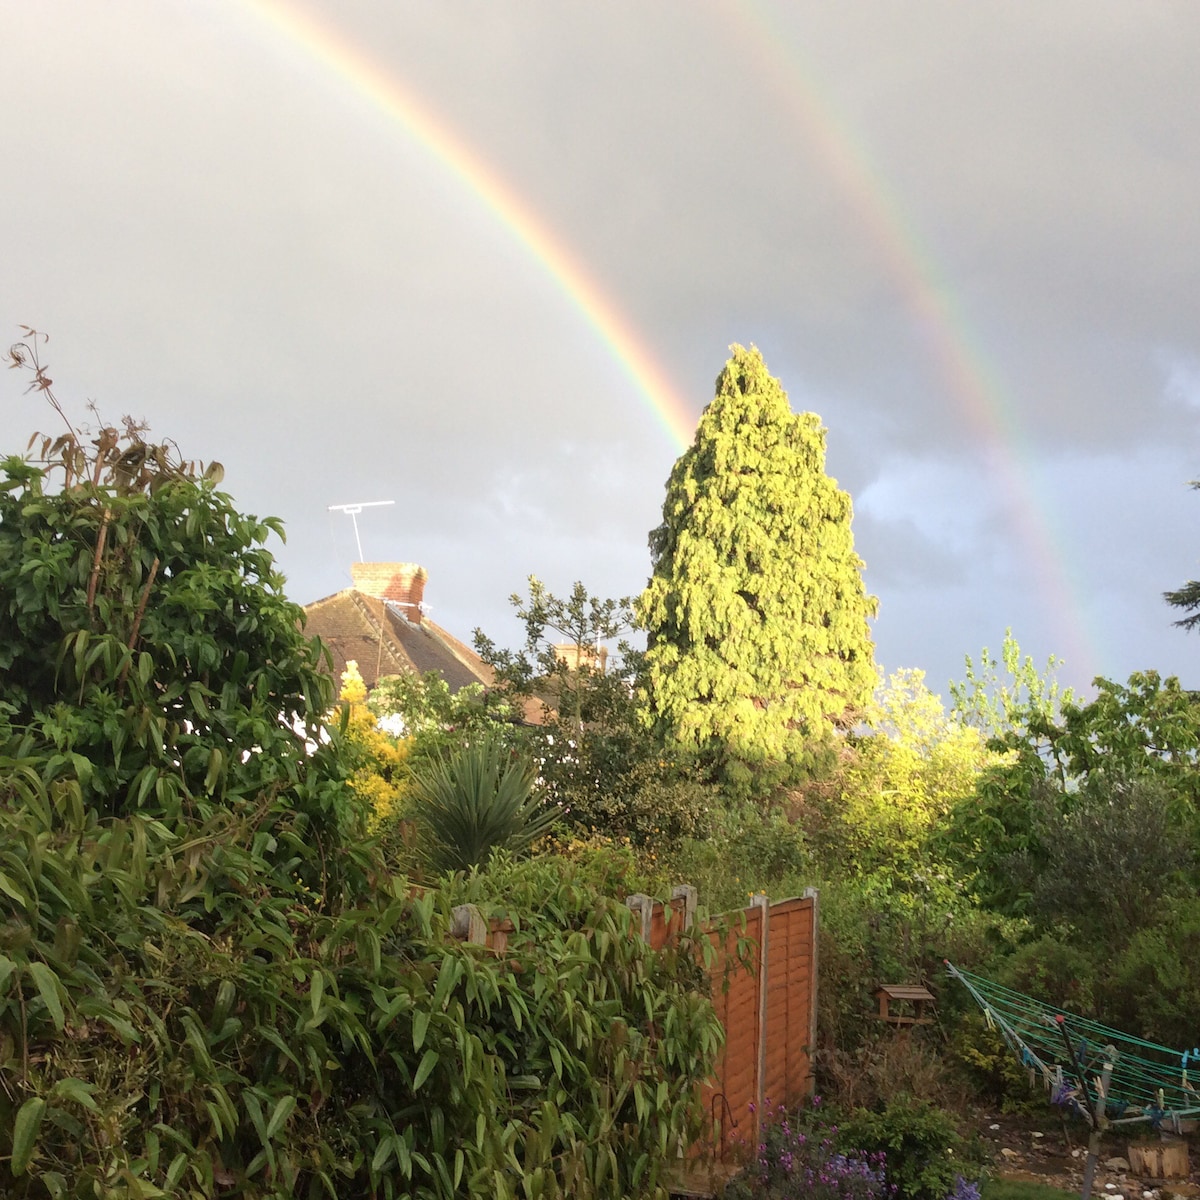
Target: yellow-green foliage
<point x="756" y="611"/>
<point x="904" y="778"/>
<point x="380" y="775"/>
<point x="995" y="1072"/>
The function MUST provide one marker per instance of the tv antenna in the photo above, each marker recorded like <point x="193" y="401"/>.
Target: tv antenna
<point x="352" y="511"/>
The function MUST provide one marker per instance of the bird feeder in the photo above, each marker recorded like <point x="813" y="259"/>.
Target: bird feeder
<point x="903" y="1004"/>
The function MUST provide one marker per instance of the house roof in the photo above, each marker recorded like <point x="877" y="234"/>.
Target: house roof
<point x="378" y="636"/>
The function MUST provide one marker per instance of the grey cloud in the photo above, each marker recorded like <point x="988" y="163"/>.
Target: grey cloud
<point x="224" y="236"/>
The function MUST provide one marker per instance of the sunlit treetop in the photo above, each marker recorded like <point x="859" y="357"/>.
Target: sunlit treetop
<point x="756" y="611"/>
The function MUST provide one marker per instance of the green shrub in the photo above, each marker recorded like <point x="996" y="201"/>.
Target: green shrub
<point x="923" y="1149"/>
<point x="801" y="1155"/>
<point x="1112" y="853"/>
<point x="749" y="851"/>
<point x="1152" y="989"/>
<point x="174" y="1015"/>
<point x="618" y="783"/>
<point x="901" y="775"/>
<point x="479" y="798"/>
<point x="1056" y="970"/>
<point x="995" y="1074"/>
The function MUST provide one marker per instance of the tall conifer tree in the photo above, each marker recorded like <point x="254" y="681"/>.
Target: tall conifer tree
<point x="756" y="611"/>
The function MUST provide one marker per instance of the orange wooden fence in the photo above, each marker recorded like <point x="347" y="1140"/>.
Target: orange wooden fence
<point x="766" y="1001"/>
<point x="768" y="1007"/>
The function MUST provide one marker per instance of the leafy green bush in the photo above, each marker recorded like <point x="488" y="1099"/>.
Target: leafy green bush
<point x="1056" y="970"/>
<point x="801" y="1155"/>
<point x="906" y="1148"/>
<point x="899" y="779"/>
<point x="615" y="780"/>
<point x="175" y="1017"/>
<point x="923" y="1149"/>
<point x="210" y="982"/>
<point x="1152" y="988"/>
<point x="149" y="651"/>
<point x="994" y="1071"/>
<point x="1089" y="792"/>
<point x="749" y="850"/>
<point x="1111" y="856"/>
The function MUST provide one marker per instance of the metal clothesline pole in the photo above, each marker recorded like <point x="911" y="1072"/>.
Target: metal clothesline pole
<point x="1119" y="1079"/>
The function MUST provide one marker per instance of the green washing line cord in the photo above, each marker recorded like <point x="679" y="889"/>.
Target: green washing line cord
<point x="1149" y="1082"/>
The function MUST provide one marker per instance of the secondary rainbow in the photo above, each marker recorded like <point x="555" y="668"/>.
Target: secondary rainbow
<point x="349" y="64"/>
<point x="962" y="363"/>
<point x="967" y="370"/>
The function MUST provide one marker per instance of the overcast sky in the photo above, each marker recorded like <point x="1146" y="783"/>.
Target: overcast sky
<point x="966" y="235"/>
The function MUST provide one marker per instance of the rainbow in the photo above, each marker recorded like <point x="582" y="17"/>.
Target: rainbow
<point x="961" y="361"/>
<point x="340" y="58"/>
<point x="967" y="370"/>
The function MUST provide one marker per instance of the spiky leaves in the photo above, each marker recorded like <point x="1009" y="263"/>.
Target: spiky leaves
<point x="756" y="611"/>
<point x="479" y="799"/>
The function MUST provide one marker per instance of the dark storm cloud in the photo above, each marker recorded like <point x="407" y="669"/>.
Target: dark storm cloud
<point x="224" y="236"/>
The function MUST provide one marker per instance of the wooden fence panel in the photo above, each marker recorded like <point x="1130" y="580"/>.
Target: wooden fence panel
<point x="767" y="1008"/>
<point x="788" y="1065"/>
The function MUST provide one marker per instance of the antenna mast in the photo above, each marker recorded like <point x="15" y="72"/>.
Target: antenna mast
<point x="352" y="511"/>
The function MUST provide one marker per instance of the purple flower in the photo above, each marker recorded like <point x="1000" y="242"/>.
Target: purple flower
<point x="964" y="1190"/>
<point x="805" y="1162"/>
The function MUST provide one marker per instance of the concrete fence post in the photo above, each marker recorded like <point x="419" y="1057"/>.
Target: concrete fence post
<point x="468" y="924"/>
<point x="687" y="893"/>
<point x="764" y="939"/>
<point x="644" y="906"/>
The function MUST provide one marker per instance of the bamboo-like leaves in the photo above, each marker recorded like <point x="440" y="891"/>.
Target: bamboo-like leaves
<point x="47" y="985"/>
<point x="25" y="1131"/>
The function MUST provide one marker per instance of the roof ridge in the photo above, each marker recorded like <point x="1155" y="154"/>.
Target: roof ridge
<point x="394" y="648"/>
<point x="325" y="599"/>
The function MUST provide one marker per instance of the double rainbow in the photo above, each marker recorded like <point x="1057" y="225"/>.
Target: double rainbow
<point x="964" y="366"/>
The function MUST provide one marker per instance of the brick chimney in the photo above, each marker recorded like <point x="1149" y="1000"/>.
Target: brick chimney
<point x="595" y="658"/>
<point x="402" y="583"/>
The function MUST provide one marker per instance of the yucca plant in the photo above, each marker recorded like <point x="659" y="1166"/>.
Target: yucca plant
<point x="481" y="798"/>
